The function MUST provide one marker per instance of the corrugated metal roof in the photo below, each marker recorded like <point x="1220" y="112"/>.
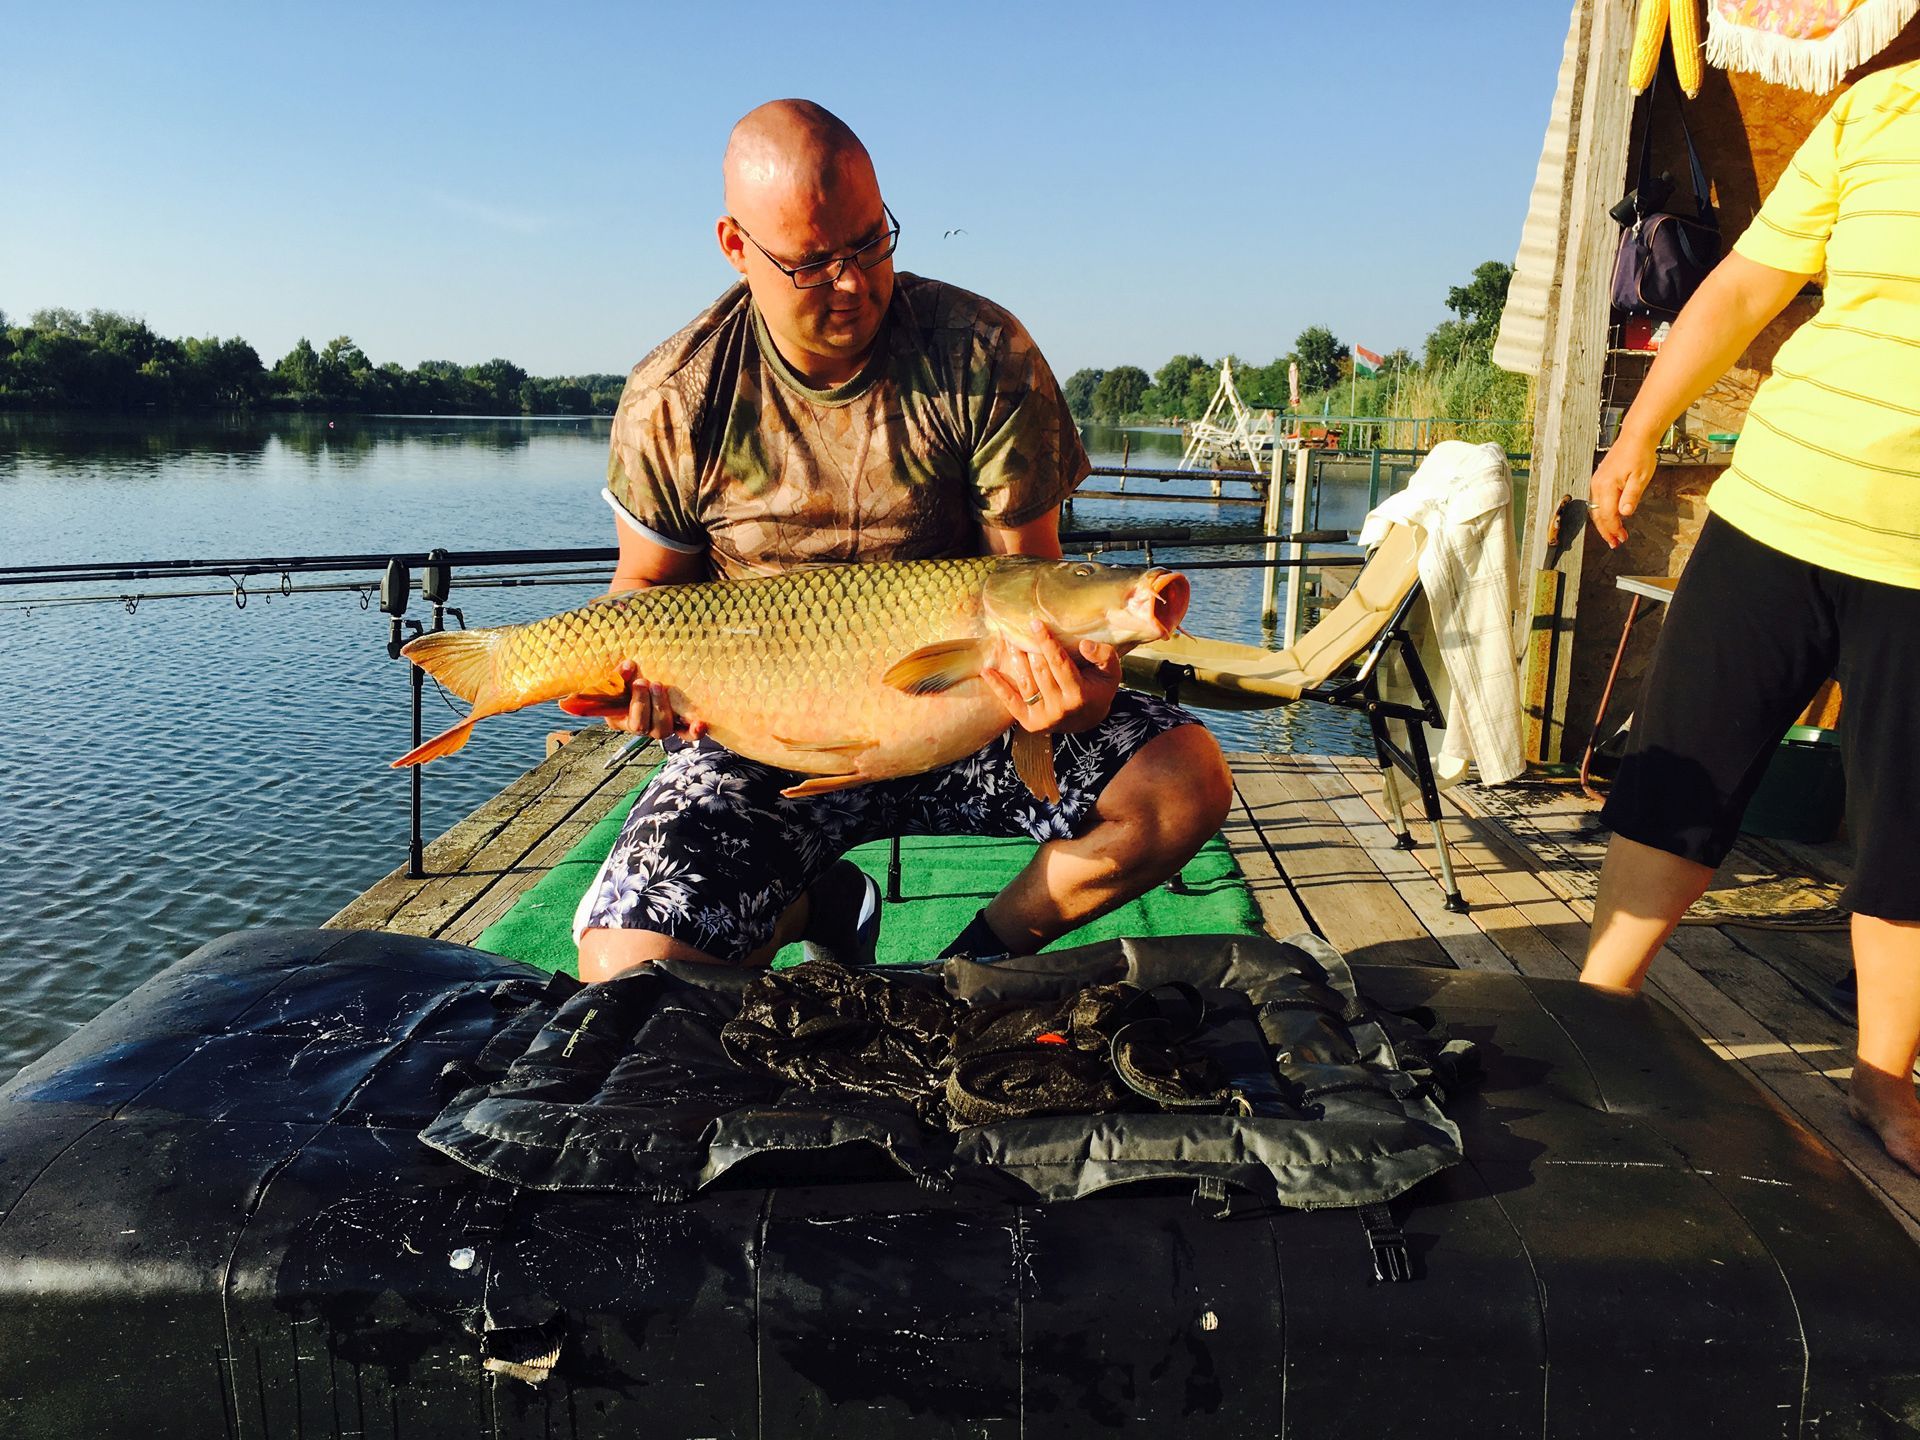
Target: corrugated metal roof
<point x="1536" y="265"/>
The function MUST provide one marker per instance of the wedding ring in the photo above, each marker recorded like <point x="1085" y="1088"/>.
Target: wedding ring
<point x="1033" y="699"/>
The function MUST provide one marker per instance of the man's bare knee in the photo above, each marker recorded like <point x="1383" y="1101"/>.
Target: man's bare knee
<point x="606" y="953"/>
<point x="1175" y="792"/>
<point x="1205" y="783"/>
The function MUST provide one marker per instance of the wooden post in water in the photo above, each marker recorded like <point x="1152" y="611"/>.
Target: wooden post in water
<point x="1296" y="575"/>
<point x="1270" y="524"/>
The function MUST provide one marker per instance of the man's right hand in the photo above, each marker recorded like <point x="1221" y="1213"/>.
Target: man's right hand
<point x="645" y="710"/>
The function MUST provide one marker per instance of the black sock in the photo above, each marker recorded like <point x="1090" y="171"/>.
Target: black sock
<point x="978" y="941"/>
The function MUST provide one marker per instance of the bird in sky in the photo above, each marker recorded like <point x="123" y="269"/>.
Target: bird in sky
<point x="955" y="231"/>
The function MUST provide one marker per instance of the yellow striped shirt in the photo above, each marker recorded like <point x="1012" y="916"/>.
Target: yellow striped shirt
<point x="1828" y="465"/>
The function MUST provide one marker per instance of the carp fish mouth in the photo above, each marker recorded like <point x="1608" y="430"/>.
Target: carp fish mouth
<point x="1167" y="594"/>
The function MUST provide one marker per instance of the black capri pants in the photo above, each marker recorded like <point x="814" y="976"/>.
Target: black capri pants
<point x="1749" y="636"/>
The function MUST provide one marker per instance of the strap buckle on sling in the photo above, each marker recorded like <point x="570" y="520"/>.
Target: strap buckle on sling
<point x="1214" y="1191"/>
<point x="1388" y="1242"/>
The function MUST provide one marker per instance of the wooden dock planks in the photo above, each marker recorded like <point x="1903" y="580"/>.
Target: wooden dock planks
<point x="1335" y="882"/>
<point x="477" y="869"/>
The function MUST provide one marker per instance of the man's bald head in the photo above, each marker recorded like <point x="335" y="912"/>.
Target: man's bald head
<point x="788" y="150"/>
<point x="801" y="194"/>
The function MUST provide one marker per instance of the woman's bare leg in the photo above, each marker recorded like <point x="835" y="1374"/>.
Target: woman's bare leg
<point x="1886" y="957"/>
<point x="1643" y="893"/>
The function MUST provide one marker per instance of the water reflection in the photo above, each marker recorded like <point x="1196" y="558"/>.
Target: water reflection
<point x="1157" y="446"/>
<point x="89" y="442"/>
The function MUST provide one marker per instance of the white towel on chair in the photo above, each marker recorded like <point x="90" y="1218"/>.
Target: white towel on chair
<point x="1461" y="497"/>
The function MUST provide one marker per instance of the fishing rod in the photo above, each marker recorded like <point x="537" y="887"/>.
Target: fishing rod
<point x="83" y="571"/>
<point x="366" y="589"/>
<point x="1180" y="537"/>
<point x="1096" y="541"/>
<point x="360" y="561"/>
<point x="87" y="572"/>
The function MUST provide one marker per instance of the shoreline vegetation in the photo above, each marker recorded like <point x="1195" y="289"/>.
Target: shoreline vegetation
<point x="106" y="361"/>
<point x="1453" y="377"/>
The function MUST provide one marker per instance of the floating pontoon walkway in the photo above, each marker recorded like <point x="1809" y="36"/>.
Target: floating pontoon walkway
<point x="1310" y="835"/>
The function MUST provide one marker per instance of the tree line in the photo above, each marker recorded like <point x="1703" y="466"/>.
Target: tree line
<point x="104" y="360"/>
<point x="1454" y="354"/>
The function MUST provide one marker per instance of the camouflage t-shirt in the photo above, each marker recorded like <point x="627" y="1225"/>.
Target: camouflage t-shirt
<point x="955" y="422"/>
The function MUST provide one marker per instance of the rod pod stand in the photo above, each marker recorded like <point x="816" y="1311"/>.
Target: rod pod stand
<point x="396" y="587"/>
<point x="436" y="584"/>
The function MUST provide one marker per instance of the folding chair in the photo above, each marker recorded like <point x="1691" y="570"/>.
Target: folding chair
<point x="1336" y="663"/>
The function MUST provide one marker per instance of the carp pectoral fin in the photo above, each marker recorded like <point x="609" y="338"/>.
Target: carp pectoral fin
<point x="822" y="785"/>
<point x="445" y="743"/>
<point x="933" y="668"/>
<point x="602" y="705"/>
<point x="1033" y="763"/>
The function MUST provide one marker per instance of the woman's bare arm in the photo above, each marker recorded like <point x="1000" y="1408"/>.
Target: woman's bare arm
<point x="1729" y="309"/>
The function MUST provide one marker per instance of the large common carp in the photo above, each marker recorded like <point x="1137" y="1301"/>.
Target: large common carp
<point x="845" y="673"/>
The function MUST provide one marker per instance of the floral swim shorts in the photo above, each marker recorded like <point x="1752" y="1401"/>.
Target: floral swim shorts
<point x="713" y="853"/>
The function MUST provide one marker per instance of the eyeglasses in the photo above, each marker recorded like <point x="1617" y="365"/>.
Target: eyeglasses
<point x="825" y="272"/>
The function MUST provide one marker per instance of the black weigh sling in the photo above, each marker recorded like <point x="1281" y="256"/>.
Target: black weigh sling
<point x="217" y="1218"/>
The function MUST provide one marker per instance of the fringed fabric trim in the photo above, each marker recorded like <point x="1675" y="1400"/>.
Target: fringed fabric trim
<point x="1817" y="65"/>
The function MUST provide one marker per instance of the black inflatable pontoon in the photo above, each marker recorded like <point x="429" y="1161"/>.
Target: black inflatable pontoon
<point x="217" y="1219"/>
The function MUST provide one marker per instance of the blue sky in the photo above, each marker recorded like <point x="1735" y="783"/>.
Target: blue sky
<point x="540" y="181"/>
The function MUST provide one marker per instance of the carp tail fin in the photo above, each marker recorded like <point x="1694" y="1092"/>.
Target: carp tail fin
<point x="463" y="662"/>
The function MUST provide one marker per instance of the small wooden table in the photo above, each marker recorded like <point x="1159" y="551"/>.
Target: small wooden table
<point x="1658" y="588"/>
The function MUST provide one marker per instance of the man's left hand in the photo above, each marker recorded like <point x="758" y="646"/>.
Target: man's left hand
<point x="1045" y="688"/>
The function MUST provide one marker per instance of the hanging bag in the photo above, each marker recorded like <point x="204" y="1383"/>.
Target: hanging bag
<point x="1663" y="256"/>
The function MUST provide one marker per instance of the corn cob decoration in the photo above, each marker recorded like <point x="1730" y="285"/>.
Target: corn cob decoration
<point x="1658" y="18"/>
<point x="1649" y="33"/>
<point x="1687" y="62"/>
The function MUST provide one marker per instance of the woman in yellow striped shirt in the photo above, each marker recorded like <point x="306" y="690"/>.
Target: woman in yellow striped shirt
<point x="1808" y="566"/>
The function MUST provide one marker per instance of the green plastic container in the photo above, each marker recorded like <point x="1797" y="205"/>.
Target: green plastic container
<point x="1803" y="795"/>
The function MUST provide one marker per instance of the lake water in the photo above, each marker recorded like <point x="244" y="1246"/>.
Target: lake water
<point x="173" y="769"/>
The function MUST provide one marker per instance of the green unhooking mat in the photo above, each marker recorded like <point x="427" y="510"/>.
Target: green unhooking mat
<point x="944" y="880"/>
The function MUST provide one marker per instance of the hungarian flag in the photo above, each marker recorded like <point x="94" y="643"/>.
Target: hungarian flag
<point x="1365" y="362"/>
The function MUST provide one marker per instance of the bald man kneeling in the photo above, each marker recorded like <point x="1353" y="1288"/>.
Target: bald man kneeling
<point x="827" y="410"/>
